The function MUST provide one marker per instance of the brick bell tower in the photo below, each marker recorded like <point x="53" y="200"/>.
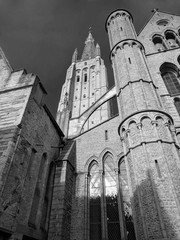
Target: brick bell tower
<point x="86" y="82"/>
<point x="151" y="150"/>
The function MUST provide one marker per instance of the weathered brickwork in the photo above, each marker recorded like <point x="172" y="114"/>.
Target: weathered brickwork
<point x="27" y="132"/>
<point x="86" y="151"/>
<point x="64" y="182"/>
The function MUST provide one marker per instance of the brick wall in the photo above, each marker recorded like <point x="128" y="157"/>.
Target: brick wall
<point x="38" y="134"/>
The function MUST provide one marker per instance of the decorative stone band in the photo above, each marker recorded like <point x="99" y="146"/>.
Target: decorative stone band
<point x="120" y="45"/>
<point x="138" y="115"/>
<point x="138" y="80"/>
<point x="117" y="13"/>
<point x="147" y="142"/>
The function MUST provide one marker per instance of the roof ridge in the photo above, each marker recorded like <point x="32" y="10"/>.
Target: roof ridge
<point x="154" y="12"/>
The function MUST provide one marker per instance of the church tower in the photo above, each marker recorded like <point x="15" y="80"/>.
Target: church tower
<point x="86" y="82"/>
<point x="151" y="150"/>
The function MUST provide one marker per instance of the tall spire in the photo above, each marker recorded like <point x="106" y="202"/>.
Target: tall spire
<point x="89" y="48"/>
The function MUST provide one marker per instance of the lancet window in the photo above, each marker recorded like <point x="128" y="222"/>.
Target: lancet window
<point x="103" y="201"/>
<point x="109" y="207"/>
<point x="94" y="202"/>
<point x="126" y="202"/>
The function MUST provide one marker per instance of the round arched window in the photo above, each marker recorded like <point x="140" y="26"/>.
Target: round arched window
<point x="169" y="73"/>
<point x="171" y="39"/>
<point x="158" y="43"/>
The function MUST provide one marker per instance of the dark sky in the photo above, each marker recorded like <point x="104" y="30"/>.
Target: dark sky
<point x="41" y="35"/>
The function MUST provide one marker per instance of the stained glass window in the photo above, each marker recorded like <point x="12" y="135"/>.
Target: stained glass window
<point x="110" y="187"/>
<point x="95" y="203"/>
<point x="126" y="202"/>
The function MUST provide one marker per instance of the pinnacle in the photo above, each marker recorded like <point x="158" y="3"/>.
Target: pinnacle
<point x="90" y="37"/>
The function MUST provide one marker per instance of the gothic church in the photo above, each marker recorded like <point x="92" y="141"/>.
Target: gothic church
<point x="91" y="175"/>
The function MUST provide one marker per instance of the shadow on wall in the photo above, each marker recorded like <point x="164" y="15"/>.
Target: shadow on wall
<point x="157" y="218"/>
<point x="63" y="192"/>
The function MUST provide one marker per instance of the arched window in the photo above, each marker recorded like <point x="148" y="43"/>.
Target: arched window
<point x="103" y="201"/>
<point x="170" y="75"/>
<point x="47" y="198"/>
<point x="177" y="104"/>
<point x="85" y="77"/>
<point x="111" y="201"/>
<point x="171" y="39"/>
<point x="94" y="202"/>
<point x="77" y="78"/>
<point x="37" y="192"/>
<point x="126" y="200"/>
<point x="158" y="43"/>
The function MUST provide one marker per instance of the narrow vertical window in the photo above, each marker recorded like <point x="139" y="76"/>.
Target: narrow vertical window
<point x="77" y="78"/>
<point x="129" y="60"/>
<point x="158" y="169"/>
<point x="48" y="198"/>
<point x="106" y="134"/>
<point x="37" y="193"/>
<point x="85" y="77"/>
<point x="95" y="203"/>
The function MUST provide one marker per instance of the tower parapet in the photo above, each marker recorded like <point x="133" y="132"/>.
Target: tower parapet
<point x="119" y="27"/>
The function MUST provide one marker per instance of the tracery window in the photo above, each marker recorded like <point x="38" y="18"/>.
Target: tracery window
<point x="126" y="201"/>
<point x="111" y="201"/>
<point x="170" y="75"/>
<point x="103" y="201"/>
<point x="95" y="202"/>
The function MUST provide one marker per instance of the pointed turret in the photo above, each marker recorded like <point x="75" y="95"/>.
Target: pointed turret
<point x="75" y="54"/>
<point x="89" y="49"/>
<point x="98" y="50"/>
